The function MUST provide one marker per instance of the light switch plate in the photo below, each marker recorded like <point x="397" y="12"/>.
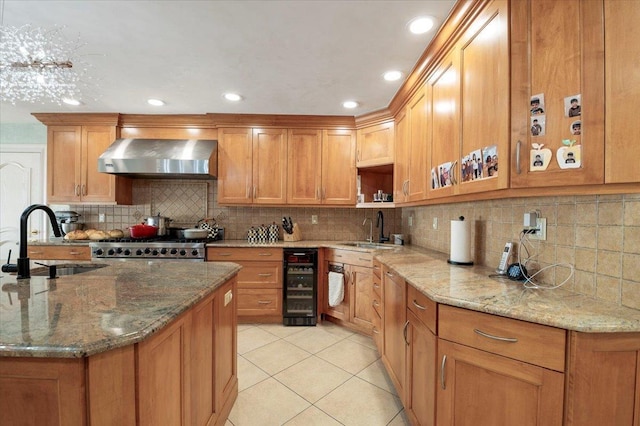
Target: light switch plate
<point x="314" y="219"/>
<point x="435" y="223"/>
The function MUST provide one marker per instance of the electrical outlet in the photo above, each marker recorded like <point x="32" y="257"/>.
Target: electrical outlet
<point x="435" y="223"/>
<point x="314" y="219"/>
<point x="541" y="230"/>
<point x="410" y="220"/>
<point x="102" y="218"/>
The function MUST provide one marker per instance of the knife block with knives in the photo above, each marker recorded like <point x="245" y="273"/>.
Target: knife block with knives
<point x="295" y="234"/>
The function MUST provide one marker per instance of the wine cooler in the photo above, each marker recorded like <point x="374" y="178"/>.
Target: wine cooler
<point x="300" y="286"/>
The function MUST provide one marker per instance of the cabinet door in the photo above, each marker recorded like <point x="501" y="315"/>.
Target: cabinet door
<point x="608" y="393"/>
<point x="64" y="156"/>
<point x="416" y="190"/>
<point x="362" y="291"/>
<point x="443" y="98"/>
<point x="226" y="347"/>
<point x="342" y="311"/>
<point x="304" y="178"/>
<point x="479" y="388"/>
<point x="421" y="372"/>
<point x="269" y="166"/>
<point x="622" y="91"/>
<point x="557" y="50"/>
<point x="484" y="75"/>
<point x="96" y="187"/>
<point x="401" y="166"/>
<point x="375" y="145"/>
<point x="339" y="167"/>
<point x="394" y="320"/>
<point x="234" y="165"/>
<point x="203" y="356"/>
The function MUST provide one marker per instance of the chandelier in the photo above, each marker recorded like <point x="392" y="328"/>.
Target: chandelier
<point x="39" y="66"/>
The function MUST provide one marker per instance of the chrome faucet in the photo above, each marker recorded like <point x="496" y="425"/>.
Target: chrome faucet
<point x="380" y="224"/>
<point x="23" y="268"/>
<point x="370" y="239"/>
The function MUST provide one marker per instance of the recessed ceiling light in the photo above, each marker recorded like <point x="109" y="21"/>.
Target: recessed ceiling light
<point x="392" y="75"/>
<point x="73" y="102"/>
<point x="421" y="24"/>
<point x="234" y="97"/>
<point x="155" y="102"/>
<point x="350" y="104"/>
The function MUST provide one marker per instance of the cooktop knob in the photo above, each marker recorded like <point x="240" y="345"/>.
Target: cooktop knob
<point x="147" y="250"/>
<point x="183" y="252"/>
<point x="99" y="252"/>
<point x="127" y="252"/>
<point x="111" y="252"/>
<point x="139" y="252"/>
<point x="154" y="252"/>
<point x="174" y="251"/>
<point x="119" y="250"/>
<point x="194" y="252"/>
<point x="163" y="251"/>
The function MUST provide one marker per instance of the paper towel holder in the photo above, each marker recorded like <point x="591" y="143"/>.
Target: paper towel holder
<point x="455" y="262"/>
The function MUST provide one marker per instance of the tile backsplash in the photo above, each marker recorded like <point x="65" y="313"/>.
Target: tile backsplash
<point x="599" y="235"/>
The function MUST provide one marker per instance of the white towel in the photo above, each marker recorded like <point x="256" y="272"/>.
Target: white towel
<point x="336" y="288"/>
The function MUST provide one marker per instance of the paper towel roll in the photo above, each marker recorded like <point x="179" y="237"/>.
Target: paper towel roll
<point x="460" y="249"/>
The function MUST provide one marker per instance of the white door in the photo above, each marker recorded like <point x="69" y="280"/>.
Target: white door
<point x="22" y="175"/>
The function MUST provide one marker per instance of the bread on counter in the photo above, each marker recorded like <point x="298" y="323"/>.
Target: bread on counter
<point x="78" y="234"/>
<point x="116" y="233"/>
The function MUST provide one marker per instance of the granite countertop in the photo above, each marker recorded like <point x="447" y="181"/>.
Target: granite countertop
<point x="92" y="312"/>
<point x="475" y="288"/>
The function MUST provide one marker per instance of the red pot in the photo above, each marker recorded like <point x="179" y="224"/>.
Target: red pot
<point x="143" y="231"/>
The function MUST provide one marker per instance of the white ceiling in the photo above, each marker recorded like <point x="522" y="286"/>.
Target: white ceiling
<point x="283" y="57"/>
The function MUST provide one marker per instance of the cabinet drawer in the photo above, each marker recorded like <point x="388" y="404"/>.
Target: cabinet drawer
<point x="357" y="258"/>
<point x="423" y="307"/>
<point x="259" y="301"/>
<point x="230" y="254"/>
<point x="376" y="303"/>
<point x="377" y="268"/>
<point x="260" y="275"/>
<point x="376" y="330"/>
<point x="59" y="253"/>
<point x="533" y="343"/>
<point x="377" y="286"/>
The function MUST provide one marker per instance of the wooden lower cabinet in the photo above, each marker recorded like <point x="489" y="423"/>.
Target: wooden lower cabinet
<point x="259" y="281"/>
<point x="395" y="328"/>
<point x="480" y="388"/>
<point x="186" y="374"/>
<point x="603" y="383"/>
<point x="420" y="384"/>
<point x="356" y="310"/>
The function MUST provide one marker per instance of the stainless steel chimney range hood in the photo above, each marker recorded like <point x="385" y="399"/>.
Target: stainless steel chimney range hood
<point x="161" y="158"/>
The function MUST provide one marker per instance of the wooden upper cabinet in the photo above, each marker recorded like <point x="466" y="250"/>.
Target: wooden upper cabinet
<point x="401" y="166"/>
<point x="339" y="167"/>
<point x="411" y="150"/>
<point x="484" y="80"/>
<point x="443" y="136"/>
<point x="304" y="180"/>
<point x="72" y="166"/>
<point x="235" y="165"/>
<point x="269" y="166"/>
<point x="557" y="53"/>
<point x="375" y="145"/>
<point x="252" y="166"/>
<point x="622" y="90"/>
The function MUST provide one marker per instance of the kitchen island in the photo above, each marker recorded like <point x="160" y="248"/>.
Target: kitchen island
<point x="129" y="343"/>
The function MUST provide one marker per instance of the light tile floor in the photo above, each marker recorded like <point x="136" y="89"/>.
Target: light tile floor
<point x="322" y="375"/>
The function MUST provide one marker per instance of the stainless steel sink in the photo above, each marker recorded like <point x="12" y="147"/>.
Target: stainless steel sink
<point x="366" y="244"/>
<point x="66" y="270"/>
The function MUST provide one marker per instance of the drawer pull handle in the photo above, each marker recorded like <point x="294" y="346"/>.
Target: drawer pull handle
<point x="264" y="302"/>
<point x="389" y="274"/>
<point x="376" y="286"/>
<point x="364" y="260"/>
<point x="518" y="169"/>
<point x="417" y="305"/>
<point x="264" y="274"/>
<point x="35" y="252"/>
<point x="375" y="303"/>
<point x="224" y="254"/>
<point x="74" y="252"/>
<point x="265" y="254"/>
<point x="444" y="363"/>
<point x="376" y="267"/>
<point x="375" y="331"/>
<point x="491" y="336"/>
